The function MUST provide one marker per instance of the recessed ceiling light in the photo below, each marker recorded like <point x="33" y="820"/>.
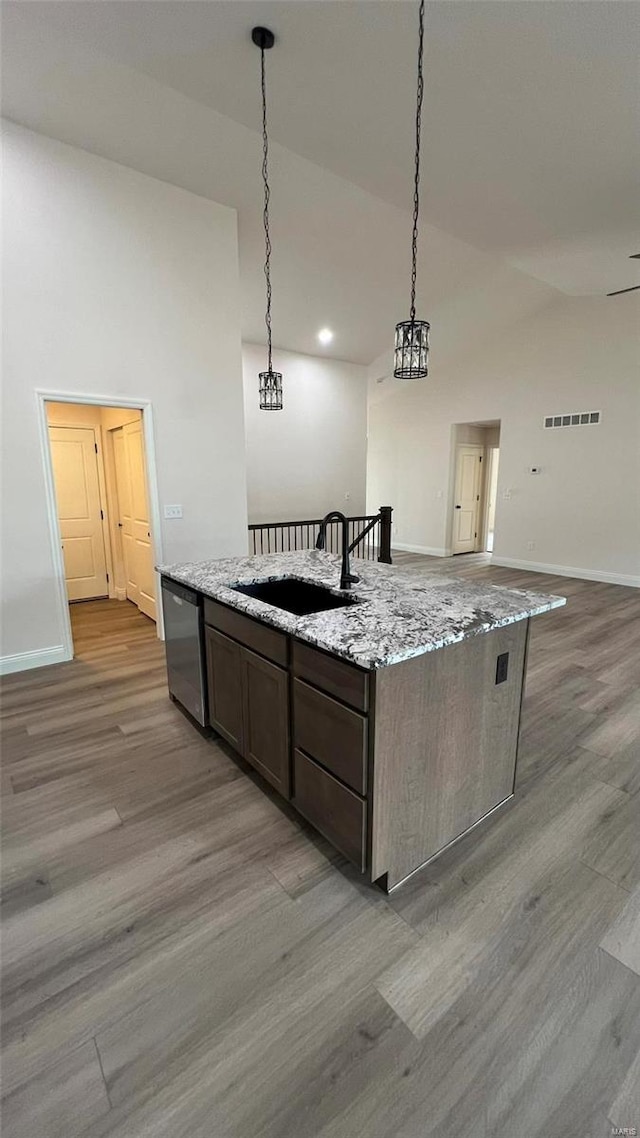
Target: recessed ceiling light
<point x="325" y="335"/>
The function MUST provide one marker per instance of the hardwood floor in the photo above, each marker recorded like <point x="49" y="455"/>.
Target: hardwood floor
<point x="184" y="958"/>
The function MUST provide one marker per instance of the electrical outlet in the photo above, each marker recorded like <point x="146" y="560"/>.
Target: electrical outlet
<point x="531" y="545"/>
<point x="173" y="511"/>
<point x="347" y="496"/>
<point x="502" y="667"/>
<point x="506" y="494"/>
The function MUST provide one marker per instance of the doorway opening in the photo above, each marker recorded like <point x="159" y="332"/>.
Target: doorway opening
<point x="102" y="499"/>
<point x="475" y="461"/>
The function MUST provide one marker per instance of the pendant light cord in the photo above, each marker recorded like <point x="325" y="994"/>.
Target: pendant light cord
<point x="416" y="191"/>
<point x="267" y="194"/>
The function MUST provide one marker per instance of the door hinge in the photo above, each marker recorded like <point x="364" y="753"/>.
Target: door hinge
<point x="479" y="458"/>
<point x="475" y="534"/>
<point x="95" y="447"/>
<point x="102" y="515"/>
<point x="477" y="497"/>
<point x="107" y="576"/>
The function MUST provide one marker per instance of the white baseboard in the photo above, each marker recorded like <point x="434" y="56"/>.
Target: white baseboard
<point x="568" y="571"/>
<point x="20" y="661"/>
<point x="121" y="594"/>
<point x="429" y="550"/>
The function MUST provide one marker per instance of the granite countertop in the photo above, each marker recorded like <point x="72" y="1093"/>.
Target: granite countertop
<point x="399" y="615"/>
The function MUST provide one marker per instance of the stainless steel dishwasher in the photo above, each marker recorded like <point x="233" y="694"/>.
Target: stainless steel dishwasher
<point x="184" y="641"/>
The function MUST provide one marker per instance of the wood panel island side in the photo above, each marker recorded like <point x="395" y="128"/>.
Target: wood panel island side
<point x="390" y="723"/>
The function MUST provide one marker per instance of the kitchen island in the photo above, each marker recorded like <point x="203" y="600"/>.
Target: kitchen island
<point x="390" y="721"/>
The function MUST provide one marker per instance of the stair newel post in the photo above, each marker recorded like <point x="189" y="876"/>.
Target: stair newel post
<point x="384" y="554"/>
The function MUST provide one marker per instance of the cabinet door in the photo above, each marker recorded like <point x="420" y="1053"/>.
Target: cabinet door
<point x="266" y="719"/>
<point x="224" y="681"/>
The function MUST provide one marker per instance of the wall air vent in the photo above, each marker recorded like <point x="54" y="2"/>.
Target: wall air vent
<point x="575" y="419"/>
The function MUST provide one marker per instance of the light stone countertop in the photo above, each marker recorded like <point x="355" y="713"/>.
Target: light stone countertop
<point x="398" y="615"/>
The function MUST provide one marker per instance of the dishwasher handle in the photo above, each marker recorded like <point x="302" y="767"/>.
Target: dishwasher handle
<point x="180" y="593"/>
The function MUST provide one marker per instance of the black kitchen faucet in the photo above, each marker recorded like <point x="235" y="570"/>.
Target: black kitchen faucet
<point x="347" y="578"/>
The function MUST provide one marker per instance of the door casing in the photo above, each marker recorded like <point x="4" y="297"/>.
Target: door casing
<point x="44" y="396"/>
<point x="492" y="460"/>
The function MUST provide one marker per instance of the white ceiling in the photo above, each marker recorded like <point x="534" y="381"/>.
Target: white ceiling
<point x="531" y="147"/>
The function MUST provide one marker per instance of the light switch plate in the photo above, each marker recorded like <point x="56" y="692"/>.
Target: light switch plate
<point x="173" y="511"/>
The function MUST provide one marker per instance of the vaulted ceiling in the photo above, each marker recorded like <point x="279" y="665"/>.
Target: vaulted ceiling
<point x="531" y="148"/>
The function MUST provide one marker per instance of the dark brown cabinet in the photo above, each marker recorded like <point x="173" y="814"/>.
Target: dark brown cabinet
<point x="249" y="705"/>
<point x="253" y="697"/>
<point x="335" y="810"/>
<point x="332" y="734"/>
<point x="265" y="689"/>
<point x="392" y="766"/>
<point x="224" y="682"/>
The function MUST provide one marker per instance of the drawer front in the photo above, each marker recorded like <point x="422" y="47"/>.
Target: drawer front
<point x="262" y="639"/>
<point x="337" y="812"/>
<point x="332" y="734"/>
<point x="342" y="680"/>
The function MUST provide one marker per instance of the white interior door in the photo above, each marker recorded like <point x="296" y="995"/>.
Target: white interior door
<point x="75" y="472"/>
<point x="466" y="506"/>
<point x="134" y="520"/>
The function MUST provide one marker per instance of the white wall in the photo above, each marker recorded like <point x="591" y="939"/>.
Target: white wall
<point x="583" y="511"/>
<point x="303" y="460"/>
<point x="120" y="286"/>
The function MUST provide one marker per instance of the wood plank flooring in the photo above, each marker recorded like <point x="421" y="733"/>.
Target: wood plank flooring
<point x="183" y="957"/>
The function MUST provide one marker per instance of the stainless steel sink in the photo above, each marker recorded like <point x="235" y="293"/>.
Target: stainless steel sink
<point x="299" y="597"/>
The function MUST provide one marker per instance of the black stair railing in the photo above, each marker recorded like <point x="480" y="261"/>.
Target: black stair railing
<point x="369" y="536"/>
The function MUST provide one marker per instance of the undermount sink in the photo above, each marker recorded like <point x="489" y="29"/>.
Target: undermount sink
<point x="298" y="597"/>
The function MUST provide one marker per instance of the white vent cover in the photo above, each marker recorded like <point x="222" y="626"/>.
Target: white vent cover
<point x="575" y="419"/>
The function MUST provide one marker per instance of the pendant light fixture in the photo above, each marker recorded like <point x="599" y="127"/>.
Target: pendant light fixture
<point x="411" y="355"/>
<point x="270" y="380"/>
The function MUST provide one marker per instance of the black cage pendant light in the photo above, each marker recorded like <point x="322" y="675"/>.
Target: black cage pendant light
<point x="270" y="380"/>
<point x="411" y="357"/>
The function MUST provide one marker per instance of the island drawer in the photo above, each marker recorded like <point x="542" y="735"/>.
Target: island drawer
<point x="337" y="677"/>
<point x="252" y="633"/>
<point x="331" y="733"/>
<point x="337" y="812"/>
